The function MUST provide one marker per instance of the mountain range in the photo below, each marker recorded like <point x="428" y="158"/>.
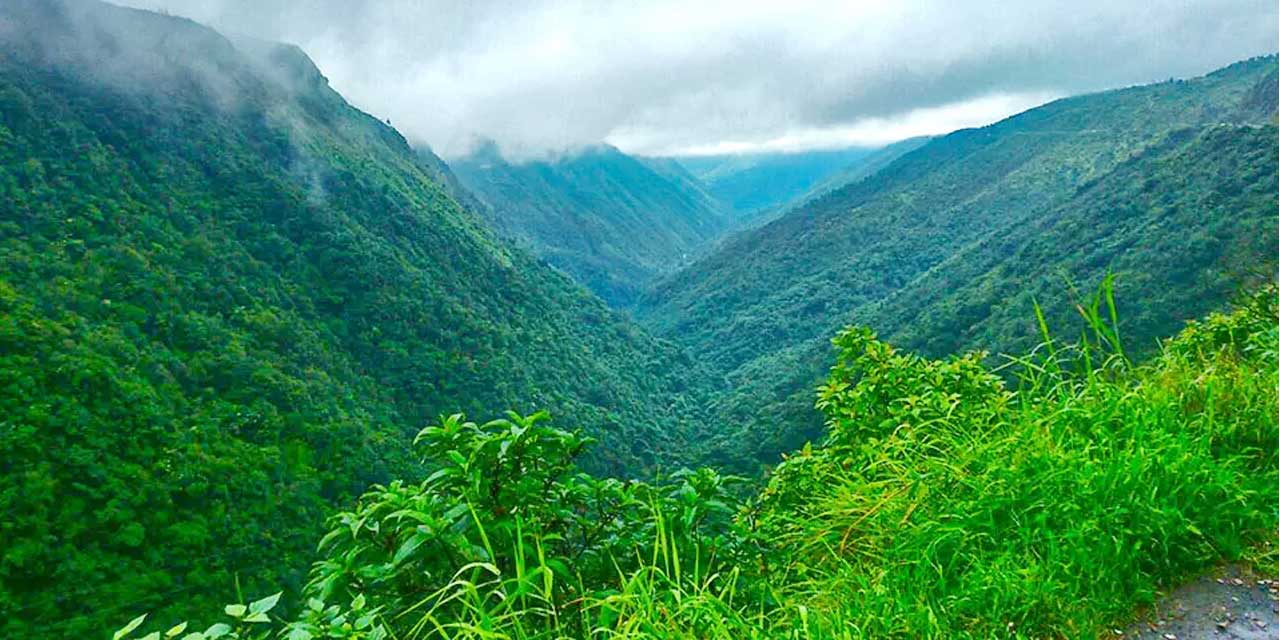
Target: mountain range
<point x="754" y="186"/>
<point x="1170" y="185"/>
<point x="618" y="224"/>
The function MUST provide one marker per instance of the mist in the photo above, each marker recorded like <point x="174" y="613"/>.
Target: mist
<point x="671" y="78"/>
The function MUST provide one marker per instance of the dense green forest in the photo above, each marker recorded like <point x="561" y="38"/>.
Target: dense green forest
<point x="612" y="222"/>
<point x="1171" y="185"/>
<point x="227" y="302"/>
<point x="864" y="168"/>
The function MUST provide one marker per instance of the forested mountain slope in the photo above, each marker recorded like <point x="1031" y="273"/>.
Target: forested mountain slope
<point x="865" y="167"/>
<point x="613" y="222"/>
<point x="1182" y="224"/>
<point x="755" y="186"/>
<point x="228" y="299"/>
<point x="1172" y="185"/>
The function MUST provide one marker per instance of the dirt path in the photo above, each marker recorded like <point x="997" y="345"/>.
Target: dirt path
<point x="1228" y="603"/>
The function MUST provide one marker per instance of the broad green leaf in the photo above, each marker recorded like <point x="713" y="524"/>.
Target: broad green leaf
<point x="328" y="538"/>
<point x="128" y="628"/>
<point x="455" y="512"/>
<point x="266" y="604"/>
<point x="217" y="631"/>
<point x="175" y="630"/>
<point x="235" y="610"/>
<point x="408" y="548"/>
<point x="440" y="473"/>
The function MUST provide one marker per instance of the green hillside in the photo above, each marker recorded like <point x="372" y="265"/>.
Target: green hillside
<point x="613" y="222"/>
<point x="227" y="302"/>
<point x="862" y="169"/>
<point x="1170" y="185"/>
<point x="1182" y="225"/>
<point x="754" y="186"/>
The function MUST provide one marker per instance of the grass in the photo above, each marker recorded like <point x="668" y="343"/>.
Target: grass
<point x="1055" y="510"/>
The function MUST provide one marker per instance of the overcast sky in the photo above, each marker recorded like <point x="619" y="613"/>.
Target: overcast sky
<point x="680" y="77"/>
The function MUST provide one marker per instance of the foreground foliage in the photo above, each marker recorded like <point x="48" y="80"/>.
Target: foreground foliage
<point x="941" y="504"/>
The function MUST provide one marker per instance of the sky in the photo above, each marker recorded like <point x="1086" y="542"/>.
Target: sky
<point x="659" y="77"/>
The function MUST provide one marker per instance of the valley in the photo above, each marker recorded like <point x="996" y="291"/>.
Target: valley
<point x="612" y="222"/>
<point x="934" y="250"/>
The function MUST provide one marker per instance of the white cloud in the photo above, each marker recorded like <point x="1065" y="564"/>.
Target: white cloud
<point x="674" y="75"/>
<point x="868" y="132"/>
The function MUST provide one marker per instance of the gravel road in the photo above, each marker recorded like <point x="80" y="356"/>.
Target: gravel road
<point x="1230" y="603"/>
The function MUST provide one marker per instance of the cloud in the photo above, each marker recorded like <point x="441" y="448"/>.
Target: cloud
<point x="668" y="76"/>
<point x="863" y="132"/>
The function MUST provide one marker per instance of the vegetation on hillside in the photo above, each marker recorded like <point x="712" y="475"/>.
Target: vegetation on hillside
<point x="941" y="503"/>
<point x="612" y="222"/>
<point x="1171" y="186"/>
<point x="1185" y="222"/>
<point x="861" y="170"/>
<point x="754" y="187"/>
<point x="227" y="302"/>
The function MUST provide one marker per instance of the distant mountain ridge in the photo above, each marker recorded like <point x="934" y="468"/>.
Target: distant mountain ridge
<point x="617" y="223"/>
<point x="934" y="249"/>
<point x="613" y="222"/>
<point x="864" y="167"/>
<point x="755" y="187"/>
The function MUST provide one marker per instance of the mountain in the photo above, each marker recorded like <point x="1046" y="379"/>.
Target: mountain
<point x="864" y="167"/>
<point x="228" y="301"/>
<point x="827" y="181"/>
<point x="754" y="186"/>
<point x="1170" y="185"/>
<point x="613" y="222"/>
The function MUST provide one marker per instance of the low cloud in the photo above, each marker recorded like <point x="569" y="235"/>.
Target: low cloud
<point x="664" y="77"/>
